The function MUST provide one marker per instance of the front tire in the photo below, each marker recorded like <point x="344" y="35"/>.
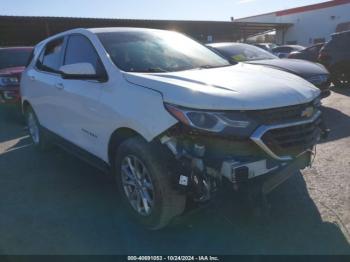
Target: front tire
<point x="145" y="184"/>
<point x="37" y="134"/>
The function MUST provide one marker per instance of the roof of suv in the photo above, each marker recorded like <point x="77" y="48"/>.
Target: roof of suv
<point x="120" y="29"/>
<point x="340" y="34"/>
<point x="96" y="31"/>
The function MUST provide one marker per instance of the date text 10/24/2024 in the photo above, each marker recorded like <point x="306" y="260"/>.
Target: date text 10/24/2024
<point x="173" y="258"/>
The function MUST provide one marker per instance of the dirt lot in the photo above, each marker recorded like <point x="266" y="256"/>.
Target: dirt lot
<point x="52" y="203"/>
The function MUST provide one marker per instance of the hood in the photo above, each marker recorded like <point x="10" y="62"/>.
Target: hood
<point x="238" y="87"/>
<point x="302" y="68"/>
<point x="12" y="70"/>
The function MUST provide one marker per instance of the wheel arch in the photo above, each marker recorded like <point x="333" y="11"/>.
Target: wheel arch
<point x="25" y="106"/>
<point x="117" y="138"/>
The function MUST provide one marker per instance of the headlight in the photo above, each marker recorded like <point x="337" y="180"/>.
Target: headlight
<point x="318" y="79"/>
<point x="8" y="81"/>
<point x="209" y="120"/>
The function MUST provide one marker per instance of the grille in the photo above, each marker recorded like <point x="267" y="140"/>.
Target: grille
<point x="279" y="115"/>
<point x="292" y="140"/>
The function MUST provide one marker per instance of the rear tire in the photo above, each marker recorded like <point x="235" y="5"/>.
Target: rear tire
<point x="141" y="168"/>
<point x="36" y="132"/>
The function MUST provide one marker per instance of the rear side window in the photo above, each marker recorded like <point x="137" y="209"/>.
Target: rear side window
<point x="51" y="58"/>
<point x="80" y="50"/>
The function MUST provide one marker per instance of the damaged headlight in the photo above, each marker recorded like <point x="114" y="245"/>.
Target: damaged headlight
<point x="212" y="121"/>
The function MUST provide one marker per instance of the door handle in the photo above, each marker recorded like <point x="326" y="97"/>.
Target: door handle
<point x="59" y="86"/>
<point x="31" y="77"/>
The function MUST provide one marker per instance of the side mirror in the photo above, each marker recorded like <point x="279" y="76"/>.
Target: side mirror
<point x="79" y="71"/>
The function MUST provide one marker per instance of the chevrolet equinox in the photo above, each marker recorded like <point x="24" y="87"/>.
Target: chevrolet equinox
<point x="172" y="120"/>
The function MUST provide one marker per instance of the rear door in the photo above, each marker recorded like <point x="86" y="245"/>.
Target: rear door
<point x="43" y="77"/>
<point x="79" y="98"/>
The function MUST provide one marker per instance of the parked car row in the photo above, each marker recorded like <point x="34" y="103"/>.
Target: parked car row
<point x="317" y="74"/>
<point x="334" y="55"/>
<point x="171" y="119"/>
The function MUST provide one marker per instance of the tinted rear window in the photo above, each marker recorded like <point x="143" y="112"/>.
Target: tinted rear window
<point x="338" y="44"/>
<point x="51" y="58"/>
<point x="14" y="58"/>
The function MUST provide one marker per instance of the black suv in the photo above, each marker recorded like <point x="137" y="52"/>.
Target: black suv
<point x="311" y="53"/>
<point x="335" y="55"/>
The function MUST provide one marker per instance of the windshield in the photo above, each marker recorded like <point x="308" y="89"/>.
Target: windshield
<point x="157" y="51"/>
<point x="13" y="58"/>
<point x="243" y="52"/>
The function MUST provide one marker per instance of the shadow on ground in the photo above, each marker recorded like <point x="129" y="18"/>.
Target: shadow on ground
<point x="342" y="90"/>
<point x="11" y="123"/>
<point x="337" y="121"/>
<point x="52" y="203"/>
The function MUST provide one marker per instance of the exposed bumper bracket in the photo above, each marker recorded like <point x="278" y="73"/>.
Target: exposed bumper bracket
<point x="282" y="175"/>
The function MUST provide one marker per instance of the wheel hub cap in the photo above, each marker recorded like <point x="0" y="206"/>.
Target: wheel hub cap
<point x="137" y="185"/>
<point x="33" y="128"/>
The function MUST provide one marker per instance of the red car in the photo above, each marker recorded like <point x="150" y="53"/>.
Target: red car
<point x="12" y="63"/>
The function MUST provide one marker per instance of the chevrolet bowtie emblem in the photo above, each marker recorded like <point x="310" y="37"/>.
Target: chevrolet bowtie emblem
<point x="308" y="112"/>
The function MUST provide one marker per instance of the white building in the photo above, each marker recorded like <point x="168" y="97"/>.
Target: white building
<point x="309" y="24"/>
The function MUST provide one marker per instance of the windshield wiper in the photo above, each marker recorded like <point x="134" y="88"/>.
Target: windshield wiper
<point x="206" y="66"/>
<point x="211" y="66"/>
<point x="156" y="70"/>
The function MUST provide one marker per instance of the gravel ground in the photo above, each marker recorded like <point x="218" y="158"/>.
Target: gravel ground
<point x="52" y="203"/>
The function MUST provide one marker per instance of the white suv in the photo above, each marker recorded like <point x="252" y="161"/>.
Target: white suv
<point x="171" y="119"/>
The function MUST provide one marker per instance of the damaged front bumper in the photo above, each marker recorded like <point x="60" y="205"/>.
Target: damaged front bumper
<point x="269" y="155"/>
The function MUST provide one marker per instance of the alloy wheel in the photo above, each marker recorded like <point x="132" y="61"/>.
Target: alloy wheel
<point x="137" y="185"/>
<point x="33" y="128"/>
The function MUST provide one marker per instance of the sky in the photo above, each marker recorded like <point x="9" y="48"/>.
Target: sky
<point x="220" y="10"/>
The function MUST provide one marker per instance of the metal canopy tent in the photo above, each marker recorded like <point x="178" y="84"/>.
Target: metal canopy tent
<point x="29" y="30"/>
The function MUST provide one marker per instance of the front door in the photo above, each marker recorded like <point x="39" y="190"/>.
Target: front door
<point x="79" y="98"/>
